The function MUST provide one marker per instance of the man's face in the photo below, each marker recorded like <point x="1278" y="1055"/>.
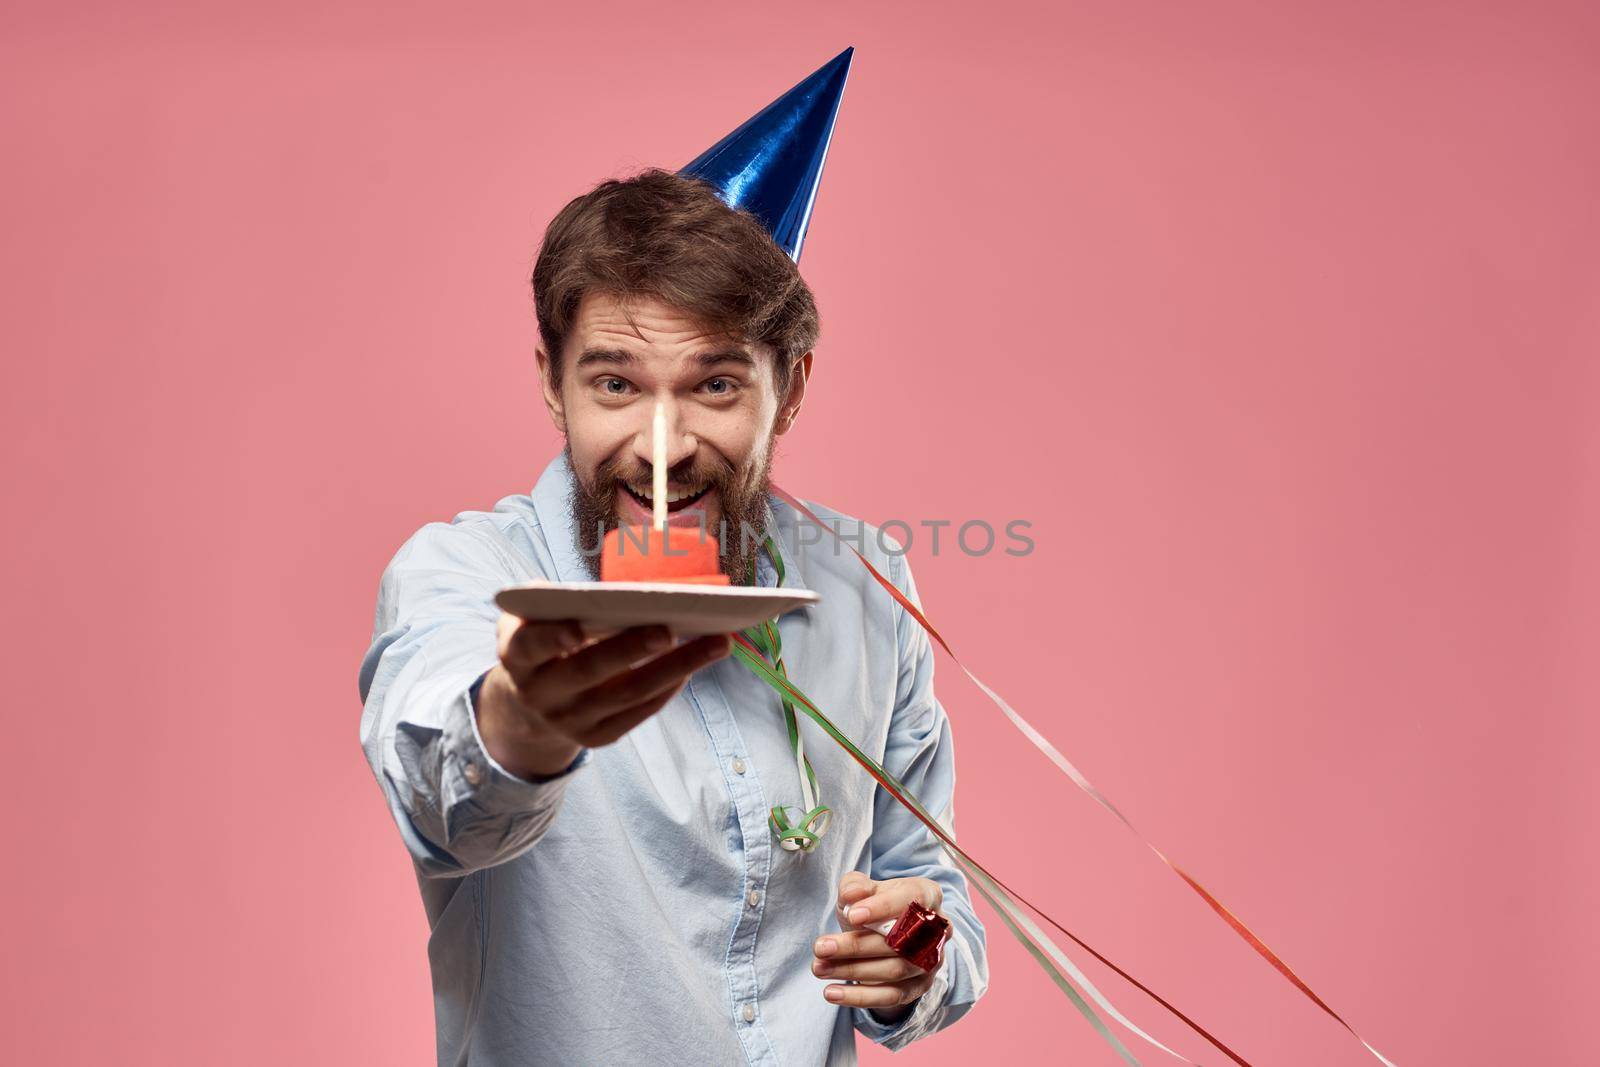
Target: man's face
<point x="722" y="413"/>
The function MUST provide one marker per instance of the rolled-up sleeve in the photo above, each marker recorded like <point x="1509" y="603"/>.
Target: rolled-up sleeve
<point x="433" y="639"/>
<point x="921" y="753"/>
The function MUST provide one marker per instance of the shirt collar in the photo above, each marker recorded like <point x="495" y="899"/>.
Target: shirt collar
<point x="552" y="503"/>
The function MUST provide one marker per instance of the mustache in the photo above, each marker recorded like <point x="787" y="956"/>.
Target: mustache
<point x="688" y="472"/>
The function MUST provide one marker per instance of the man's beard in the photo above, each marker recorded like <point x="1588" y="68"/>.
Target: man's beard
<point x="742" y="498"/>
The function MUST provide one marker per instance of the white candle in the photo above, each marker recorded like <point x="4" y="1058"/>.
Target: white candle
<point x="658" y="466"/>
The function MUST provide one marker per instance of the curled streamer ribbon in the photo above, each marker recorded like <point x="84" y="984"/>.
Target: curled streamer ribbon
<point x="1039" y="741"/>
<point x="804" y="835"/>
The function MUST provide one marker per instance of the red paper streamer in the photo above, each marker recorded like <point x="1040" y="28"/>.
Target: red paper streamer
<point x="1234" y="922"/>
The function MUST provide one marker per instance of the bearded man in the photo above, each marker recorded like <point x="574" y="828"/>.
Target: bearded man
<point x="588" y="816"/>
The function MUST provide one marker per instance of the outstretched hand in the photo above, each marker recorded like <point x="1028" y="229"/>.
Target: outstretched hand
<point x="557" y="690"/>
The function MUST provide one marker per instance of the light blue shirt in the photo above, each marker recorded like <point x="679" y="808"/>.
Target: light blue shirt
<point x="636" y="907"/>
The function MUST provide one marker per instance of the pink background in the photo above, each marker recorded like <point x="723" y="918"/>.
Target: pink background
<point x="1279" y="322"/>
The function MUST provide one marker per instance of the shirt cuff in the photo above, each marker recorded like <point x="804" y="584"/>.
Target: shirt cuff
<point x="495" y="779"/>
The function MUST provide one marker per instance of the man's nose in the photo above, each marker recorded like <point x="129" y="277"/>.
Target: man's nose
<point x="680" y="444"/>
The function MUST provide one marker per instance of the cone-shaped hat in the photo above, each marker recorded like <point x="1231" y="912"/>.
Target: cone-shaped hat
<point x="771" y="166"/>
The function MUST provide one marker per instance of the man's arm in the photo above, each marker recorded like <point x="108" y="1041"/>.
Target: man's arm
<point x="434" y="638"/>
<point x="921" y="753"/>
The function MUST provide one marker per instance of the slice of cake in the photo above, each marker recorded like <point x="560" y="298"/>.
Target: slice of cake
<point x="636" y="552"/>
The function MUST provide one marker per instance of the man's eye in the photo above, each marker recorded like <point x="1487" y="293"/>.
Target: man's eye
<point x="614" y="386"/>
<point x="720" y="386"/>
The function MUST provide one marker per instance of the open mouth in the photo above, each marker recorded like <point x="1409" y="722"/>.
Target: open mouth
<point x="677" y="499"/>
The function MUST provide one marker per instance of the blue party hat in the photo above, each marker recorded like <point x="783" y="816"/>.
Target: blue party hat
<point x="771" y="166"/>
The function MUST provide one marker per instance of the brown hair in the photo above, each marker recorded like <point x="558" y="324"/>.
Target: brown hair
<point x="673" y="238"/>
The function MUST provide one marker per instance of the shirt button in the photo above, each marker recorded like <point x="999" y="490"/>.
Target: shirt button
<point x="473" y="774"/>
<point x="749" y="1013"/>
<point x="754" y="898"/>
<point x="738" y="765"/>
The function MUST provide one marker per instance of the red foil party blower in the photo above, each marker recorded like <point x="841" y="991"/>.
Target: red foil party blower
<point x="919" y="936"/>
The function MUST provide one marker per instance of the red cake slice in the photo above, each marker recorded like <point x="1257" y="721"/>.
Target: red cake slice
<point x="636" y="552"/>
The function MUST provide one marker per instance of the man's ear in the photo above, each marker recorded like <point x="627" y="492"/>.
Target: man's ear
<point x="551" y="389"/>
<point x="789" y="406"/>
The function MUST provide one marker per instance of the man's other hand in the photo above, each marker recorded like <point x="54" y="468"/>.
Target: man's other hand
<point x="887" y="982"/>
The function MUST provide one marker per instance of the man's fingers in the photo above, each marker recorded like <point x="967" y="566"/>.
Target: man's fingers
<point x="877" y="969"/>
<point x="525" y="646"/>
<point x="853" y="887"/>
<point x="602" y="715"/>
<point x="559" y="680"/>
<point x="852" y="944"/>
<point x="892" y="898"/>
<point x="608" y="730"/>
<point x="855" y="882"/>
<point x="665" y="672"/>
<point x="887" y="902"/>
<point x="891" y="995"/>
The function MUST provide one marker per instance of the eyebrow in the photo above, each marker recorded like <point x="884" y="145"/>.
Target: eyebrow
<point x="615" y="356"/>
<point x="727" y="355"/>
<point x="618" y="357"/>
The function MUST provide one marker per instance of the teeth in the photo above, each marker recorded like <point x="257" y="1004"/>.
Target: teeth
<point x="673" y="495"/>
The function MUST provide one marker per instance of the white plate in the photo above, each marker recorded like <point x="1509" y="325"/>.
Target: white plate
<point x="690" y="610"/>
